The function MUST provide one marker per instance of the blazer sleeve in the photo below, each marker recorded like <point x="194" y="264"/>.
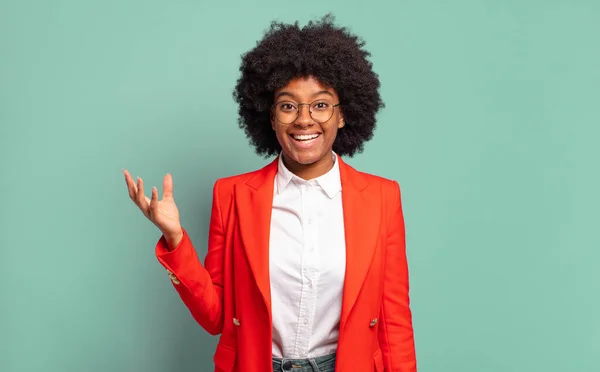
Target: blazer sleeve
<point x="200" y="287"/>
<point x="396" y="331"/>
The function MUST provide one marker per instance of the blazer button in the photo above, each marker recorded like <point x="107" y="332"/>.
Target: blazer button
<point x="373" y="322"/>
<point x="173" y="277"/>
<point x="236" y="322"/>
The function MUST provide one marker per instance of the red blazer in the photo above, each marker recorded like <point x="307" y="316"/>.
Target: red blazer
<point x="230" y="293"/>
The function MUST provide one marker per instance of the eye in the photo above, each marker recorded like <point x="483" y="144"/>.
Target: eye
<point x="321" y="105"/>
<point x="286" y="106"/>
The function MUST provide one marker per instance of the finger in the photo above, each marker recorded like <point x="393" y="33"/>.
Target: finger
<point x="154" y="201"/>
<point x="131" y="187"/>
<point x="141" y="199"/>
<point x="168" y="186"/>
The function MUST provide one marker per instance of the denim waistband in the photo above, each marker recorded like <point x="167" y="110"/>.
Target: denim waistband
<point x="325" y="363"/>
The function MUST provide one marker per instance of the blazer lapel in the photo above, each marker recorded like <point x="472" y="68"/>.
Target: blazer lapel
<point x="254" y="201"/>
<point x="361" y="226"/>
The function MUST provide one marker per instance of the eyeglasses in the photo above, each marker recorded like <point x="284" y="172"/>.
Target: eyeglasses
<point x="287" y="112"/>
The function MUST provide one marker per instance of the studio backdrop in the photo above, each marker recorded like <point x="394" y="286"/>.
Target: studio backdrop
<point x="491" y="127"/>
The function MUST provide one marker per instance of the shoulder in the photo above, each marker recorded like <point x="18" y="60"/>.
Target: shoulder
<point x="389" y="188"/>
<point x="231" y="181"/>
<point x="379" y="180"/>
<point x="381" y="190"/>
<point x="225" y="186"/>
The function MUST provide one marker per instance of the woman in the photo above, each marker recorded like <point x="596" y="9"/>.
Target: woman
<point x="306" y="267"/>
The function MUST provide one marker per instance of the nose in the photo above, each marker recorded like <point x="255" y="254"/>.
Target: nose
<point x="304" y="119"/>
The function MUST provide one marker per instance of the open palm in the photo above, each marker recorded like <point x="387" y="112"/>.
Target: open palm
<point x="162" y="213"/>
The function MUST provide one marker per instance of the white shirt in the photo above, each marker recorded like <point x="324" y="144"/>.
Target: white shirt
<point x="307" y="263"/>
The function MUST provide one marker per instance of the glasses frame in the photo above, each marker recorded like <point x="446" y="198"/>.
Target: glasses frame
<point x="299" y="108"/>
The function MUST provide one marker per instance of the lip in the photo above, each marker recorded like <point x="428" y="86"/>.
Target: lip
<point x="304" y="133"/>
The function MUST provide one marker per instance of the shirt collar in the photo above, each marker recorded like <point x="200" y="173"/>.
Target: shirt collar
<point x="329" y="182"/>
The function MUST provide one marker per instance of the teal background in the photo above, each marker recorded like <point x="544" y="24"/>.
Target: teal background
<point x="491" y="128"/>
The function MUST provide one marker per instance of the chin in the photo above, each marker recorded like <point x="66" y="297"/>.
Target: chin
<point x="304" y="159"/>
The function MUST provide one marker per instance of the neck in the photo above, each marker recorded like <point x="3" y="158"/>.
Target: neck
<point x="309" y="171"/>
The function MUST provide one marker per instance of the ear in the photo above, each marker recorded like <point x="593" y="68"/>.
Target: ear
<point x="341" y="122"/>
<point x="272" y="119"/>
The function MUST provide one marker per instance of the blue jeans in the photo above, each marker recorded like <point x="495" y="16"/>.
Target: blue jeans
<point x="324" y="363"/>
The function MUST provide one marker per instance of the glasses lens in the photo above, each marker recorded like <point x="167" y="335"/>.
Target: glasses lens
<point x="321" y="111"/>
<point x="287" y="112"/>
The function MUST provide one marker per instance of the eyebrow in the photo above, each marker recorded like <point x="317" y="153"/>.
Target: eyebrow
<point x="293" y="96"/>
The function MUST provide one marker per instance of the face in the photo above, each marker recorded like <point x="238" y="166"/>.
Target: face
<point x="305" y="142"/>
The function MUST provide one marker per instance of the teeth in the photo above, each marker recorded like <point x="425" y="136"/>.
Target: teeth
<point x="305" y="137"/>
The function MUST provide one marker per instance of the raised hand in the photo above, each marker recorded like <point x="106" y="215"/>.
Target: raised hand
<point x="162" y="213"/>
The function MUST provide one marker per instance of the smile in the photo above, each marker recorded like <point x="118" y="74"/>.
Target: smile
<point x="305" y="137"/>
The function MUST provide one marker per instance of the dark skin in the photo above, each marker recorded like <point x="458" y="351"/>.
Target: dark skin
<point x="307" y="159"/>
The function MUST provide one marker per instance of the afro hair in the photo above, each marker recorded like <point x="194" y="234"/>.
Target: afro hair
<point x="332" y="55"/>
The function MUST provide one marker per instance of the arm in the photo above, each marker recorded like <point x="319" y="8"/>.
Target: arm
<point x="200" y="287"/>
<point x="396" y="331"/>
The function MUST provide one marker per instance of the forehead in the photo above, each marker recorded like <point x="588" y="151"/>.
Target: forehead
<point x="305" y="87"/>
